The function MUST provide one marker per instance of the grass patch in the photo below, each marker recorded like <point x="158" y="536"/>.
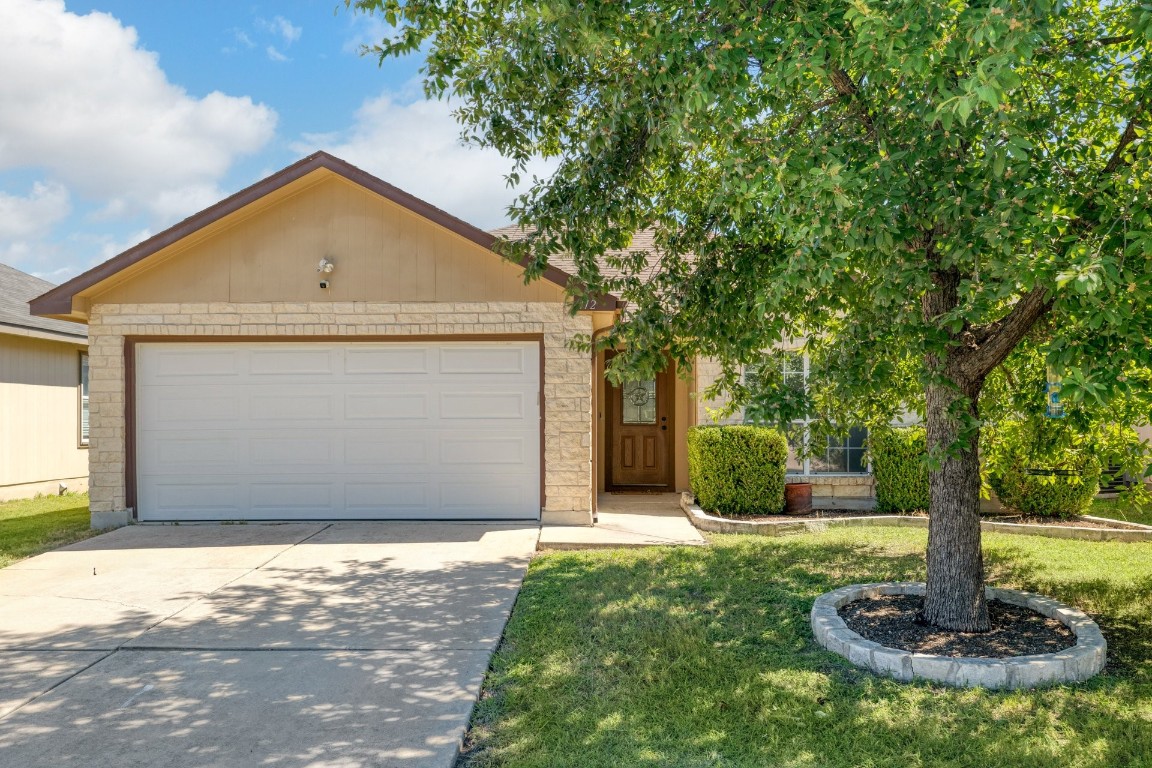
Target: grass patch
<point x="31" y="526"/>
<point x="1114" y="510"/>
<point x="704" y="657"/>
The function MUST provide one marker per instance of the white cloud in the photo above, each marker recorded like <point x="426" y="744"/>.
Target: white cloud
<point x="282" y="27"/>
<point x="34" y="215"/>
<point x="274" y="54"/>
<point x="106" y="246"/>
<point x="241" y="37"/>
<point x="93" y="109"/>
<point x="416" y="146"/>
<point x="26" y="222"/>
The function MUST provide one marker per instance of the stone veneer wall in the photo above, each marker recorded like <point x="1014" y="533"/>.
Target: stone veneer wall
<point x="707" y="371"/>
<point x="567" y="374"/>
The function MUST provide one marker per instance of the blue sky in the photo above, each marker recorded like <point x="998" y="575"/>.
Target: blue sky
<point x="125" y="117"/>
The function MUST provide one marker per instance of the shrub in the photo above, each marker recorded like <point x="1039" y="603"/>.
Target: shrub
<point x="897" y="456"/>
<point x="1041" y="468"/>
<point x="737" y="470"/>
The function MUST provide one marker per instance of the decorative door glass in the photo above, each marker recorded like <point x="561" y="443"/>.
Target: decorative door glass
<point x="639" y="402"/>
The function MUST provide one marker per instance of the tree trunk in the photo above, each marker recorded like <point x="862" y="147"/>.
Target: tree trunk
<point x="955" y="595"/>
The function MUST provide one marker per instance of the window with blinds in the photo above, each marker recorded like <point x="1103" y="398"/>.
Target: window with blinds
<point x="83" y="399"/>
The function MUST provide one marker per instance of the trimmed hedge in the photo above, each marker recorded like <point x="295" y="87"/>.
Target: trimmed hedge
<point x="898" y="466"/>
<point x="1038" y="477"/>
<point x="1047" y="495"/>
<point x="738" y="470"/>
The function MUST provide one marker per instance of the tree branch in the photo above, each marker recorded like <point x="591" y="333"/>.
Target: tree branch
<point x="985" y="347"/>
<point x="800" y="119"/>
<point x="1126" y="140"/>
<point x="1093" y="42"/>
<point x="844" y="86"/>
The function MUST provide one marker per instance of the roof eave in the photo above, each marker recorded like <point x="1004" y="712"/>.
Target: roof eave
<point x="12" y="329"/>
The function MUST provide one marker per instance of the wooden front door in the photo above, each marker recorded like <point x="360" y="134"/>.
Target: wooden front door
<point x="638" y="418"/>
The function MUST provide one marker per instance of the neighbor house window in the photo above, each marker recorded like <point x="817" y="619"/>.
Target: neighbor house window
<point x="83" y="398"/>
<point x="842" y="455"/>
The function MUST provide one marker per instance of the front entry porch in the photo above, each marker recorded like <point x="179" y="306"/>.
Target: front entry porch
<point x="641" y="432"/>
<point x="628" y="520"/>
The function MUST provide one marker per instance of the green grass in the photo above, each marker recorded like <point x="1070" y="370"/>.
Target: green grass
<point x="1114" y="510"/>
<point x="31" y="526"/>
<point x="704" y="657"/>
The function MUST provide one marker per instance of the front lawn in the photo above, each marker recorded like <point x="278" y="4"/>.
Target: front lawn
<point x="31" y="526"/>
<point x="704" y="657"/>
<point x="1112" y="509"/>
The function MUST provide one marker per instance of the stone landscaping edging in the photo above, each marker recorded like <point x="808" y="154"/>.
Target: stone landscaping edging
<point x="713" y="524"/>
<point x="1075" y="664"/>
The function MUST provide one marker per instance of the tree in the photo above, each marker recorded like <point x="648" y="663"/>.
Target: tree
<point x="895" y="180"/>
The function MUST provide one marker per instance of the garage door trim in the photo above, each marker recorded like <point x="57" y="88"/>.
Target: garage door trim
<point x="130" y="343"/>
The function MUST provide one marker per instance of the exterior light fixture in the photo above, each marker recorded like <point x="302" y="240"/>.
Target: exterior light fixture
<point x="325" y="267"/>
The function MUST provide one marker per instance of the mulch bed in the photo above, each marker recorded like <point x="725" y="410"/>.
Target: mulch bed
<point x="891" y="620"/>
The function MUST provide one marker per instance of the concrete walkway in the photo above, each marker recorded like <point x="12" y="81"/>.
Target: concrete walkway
<point x="628" y="520"/>
<point x="350" y="644"/>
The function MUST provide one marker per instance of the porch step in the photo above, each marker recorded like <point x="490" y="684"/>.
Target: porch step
<point x="654" y="520"/>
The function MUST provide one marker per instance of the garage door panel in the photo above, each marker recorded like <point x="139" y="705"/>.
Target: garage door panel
<point x="293" y="452"/>
<point x="386" y="405"/>
<point x="483" y="405"/>
<point x="290" y="409"/>
<point x="493" y="450"/>
<point x="394" y="359"/>
<point x="170" y="408"/>
<point x="173" y="499"/>
<point x="474" y="495"/>
<point x="178" y="366"/>
<point x="293" y="360"/>
<point x="339" y="430"/>
<point x="209" y="452"/>
<point x="400" y="498"/>
<point x="370" y="449"/>
<point x="484" y="361"/>
<point x="312" y="498"/>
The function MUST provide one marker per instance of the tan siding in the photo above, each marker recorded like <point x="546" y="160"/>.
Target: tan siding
<point x="39" y="414"/>
<point x="382" y="252"/>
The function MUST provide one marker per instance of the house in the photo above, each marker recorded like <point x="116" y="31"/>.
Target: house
<point x="43" y="395"/>
<point x="325" y="345"/>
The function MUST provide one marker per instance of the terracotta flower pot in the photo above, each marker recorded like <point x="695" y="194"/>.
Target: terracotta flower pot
<point x="797" y="498"/>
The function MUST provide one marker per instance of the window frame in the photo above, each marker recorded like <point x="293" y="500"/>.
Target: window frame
<point x="83" y="400"/>
<point x="805" y="428"/>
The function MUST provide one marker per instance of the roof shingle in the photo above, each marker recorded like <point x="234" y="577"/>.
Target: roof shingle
<point x="16" y="290"/>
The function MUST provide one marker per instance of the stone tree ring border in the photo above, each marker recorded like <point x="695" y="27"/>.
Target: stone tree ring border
<point x="1080" y="662"/>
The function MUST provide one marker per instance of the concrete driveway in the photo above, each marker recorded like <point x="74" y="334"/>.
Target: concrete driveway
<point x="341" y="645"/>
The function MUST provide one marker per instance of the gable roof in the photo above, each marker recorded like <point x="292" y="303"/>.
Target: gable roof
<point x="16" y="289"/>
<point x="58" y="301"/>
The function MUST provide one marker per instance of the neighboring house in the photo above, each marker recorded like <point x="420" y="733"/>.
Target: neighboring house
<point x="43" y="395"/>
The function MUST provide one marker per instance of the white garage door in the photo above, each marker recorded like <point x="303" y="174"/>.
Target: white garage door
<point x="279" y="430"/>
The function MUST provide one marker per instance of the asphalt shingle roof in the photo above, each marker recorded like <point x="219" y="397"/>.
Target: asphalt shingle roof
<point x="16" y="289"/>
